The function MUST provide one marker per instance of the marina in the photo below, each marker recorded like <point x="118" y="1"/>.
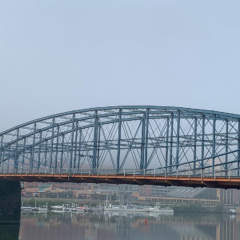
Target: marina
<point x="132" y="209"/>
<point x="106" y="209"/>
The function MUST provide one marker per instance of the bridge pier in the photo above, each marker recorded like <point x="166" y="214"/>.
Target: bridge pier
<point x="10" y="201"/>
<point x="9" y="231"/>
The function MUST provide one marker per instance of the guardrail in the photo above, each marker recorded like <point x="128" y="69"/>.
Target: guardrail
<point x="203" y="173"/>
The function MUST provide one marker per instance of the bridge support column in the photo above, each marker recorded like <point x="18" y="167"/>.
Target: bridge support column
<point x="10" y="201"/>
<point x="9" y="231"/>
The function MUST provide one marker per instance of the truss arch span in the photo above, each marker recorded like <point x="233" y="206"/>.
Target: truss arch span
<point x="164" y="139"/>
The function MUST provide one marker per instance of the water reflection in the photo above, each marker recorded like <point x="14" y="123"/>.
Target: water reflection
<point x="104" y="227"/>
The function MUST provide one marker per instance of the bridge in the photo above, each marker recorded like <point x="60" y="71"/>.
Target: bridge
<point x="126" y="144"/>
<point x="155" y="145"/>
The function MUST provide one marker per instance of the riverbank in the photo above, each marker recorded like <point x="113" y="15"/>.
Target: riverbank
<point x="178" y="208"/>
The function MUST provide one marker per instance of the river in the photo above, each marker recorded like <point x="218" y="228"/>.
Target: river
<point x="106" y="227"/>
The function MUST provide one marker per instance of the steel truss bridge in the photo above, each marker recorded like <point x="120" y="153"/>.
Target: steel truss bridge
<point x="126" y="144"/>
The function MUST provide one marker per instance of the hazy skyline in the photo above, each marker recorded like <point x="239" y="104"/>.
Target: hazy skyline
<point x="57" y="56"/>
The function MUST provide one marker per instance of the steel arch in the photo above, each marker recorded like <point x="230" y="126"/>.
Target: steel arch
<point x="162" y="139"/>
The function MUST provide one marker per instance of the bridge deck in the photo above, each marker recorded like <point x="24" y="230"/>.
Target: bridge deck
<point x="217" y="182"/>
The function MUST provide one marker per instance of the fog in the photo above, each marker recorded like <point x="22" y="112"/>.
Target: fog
<point x="62" y="55"/>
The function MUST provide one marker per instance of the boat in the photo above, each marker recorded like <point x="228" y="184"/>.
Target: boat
<point x="67" y="209"/>
<point x="124" y="208"/>
<point x="132" y="209"/>
<point x="78" y="209"/>
<point x="40" y="209"/>
<point x="26" y="209"/>
<point x="43" y="209"/>
<point x="160" y="211"/>
<point x="58" y="209"/>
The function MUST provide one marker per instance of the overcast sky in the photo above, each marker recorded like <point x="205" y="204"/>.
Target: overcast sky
<point x="60" y="55"/>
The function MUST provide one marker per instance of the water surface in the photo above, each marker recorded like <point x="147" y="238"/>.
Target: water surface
<point x="104" y="227"/>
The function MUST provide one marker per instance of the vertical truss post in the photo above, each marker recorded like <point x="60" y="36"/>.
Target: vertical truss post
<point x="1" y="152"/>
<point x="33" y="147"/>
<point x="238" y="162"/>
<point x="142" y="142"/>
<point x="203" y="142"/>
<point x="119" y="138"/>
<point x="79" y="148"/>
<point x="45" y="153"/>
<point x="23" y="152"/>
<point x="52" y="142"/>
<point x="3" y="156"/>
<point x="178" y="136"/>
<point x="98" y="145"/>
<point x="146" y="140"/>
<point x="226" y="148"/>
<point x="39" y="151"/>
<point x="75" y="145"/>
<point x="56" y="154"/>
<point x="62" y="150"/>
<point x="95" y="142"/>
<point x="72" y="143"/>
<point x="8" y="165"/>
<point x="171" y="142"/>
<point x="143" y="162"/>
<point x="16" y="154"/>
<point x="195" y="145"/>
<point x="167" y="136"/>
<point x="214" y="146"/>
